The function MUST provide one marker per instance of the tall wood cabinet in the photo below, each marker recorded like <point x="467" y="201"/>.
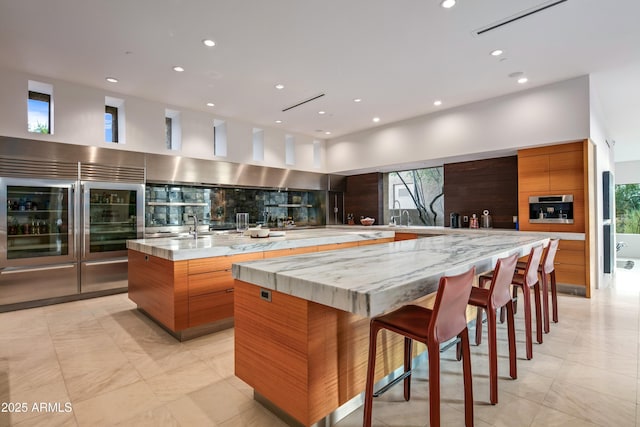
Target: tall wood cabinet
<point x="562" y="169"/>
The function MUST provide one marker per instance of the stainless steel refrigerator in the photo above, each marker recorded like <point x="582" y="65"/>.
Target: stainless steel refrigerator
<point x="65" y="234"/>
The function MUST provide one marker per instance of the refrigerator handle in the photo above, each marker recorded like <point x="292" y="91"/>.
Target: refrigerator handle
<point x="14" y="270"/>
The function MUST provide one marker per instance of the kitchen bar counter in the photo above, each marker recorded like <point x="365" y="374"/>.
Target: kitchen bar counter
<point x="224" y="244"/>
<point x="371" y="280"/>
<point x="302" y="323"/>
<point x="186" y="286"/>
<point x="426" y="231"/>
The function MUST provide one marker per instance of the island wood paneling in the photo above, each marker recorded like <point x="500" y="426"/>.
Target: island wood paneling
<point x="160" y="288"/>
<point x="363" y="196"/>
<point x="286" y="350"/>
<point x="471" y="187"/>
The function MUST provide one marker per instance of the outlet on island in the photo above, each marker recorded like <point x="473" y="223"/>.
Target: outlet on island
<point x="465" y="218"/>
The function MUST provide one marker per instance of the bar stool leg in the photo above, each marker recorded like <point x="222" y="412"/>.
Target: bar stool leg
<point x="526" y="300"/>
<point x="536" y="294"/>
<point x="511" y="332"/>
<point x="493" y="356"/>
<point x="408" y="344"/>
<point x="466" y="375"/>
<point x="371" y="369"/>
<point x="545" y="301"/>
<point x="434" y="382"/>
<point x="479" y="325"/>
<point x="554" y="296"/>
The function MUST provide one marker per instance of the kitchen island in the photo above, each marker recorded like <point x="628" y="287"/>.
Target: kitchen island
<point x="302" y="324"/>
<point x="185" y="284"/>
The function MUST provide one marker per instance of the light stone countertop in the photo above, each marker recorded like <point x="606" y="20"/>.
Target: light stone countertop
<point x="185" y="248"/>
<point x="373" y="279"/>
<point x="438" y="230"/>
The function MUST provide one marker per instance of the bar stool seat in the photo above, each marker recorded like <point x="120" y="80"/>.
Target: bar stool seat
<point x="445" y="321"/>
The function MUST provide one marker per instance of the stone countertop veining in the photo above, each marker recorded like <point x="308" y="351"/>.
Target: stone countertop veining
<point x="185" y="248"/>
<point x="373" y="279"/>
<point x="439" y="230"/>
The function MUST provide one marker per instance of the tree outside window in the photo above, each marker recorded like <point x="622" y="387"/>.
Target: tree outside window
<point x="628" y="208"/>
<point x="39" y="112"/>
<point x="420" y="193"/>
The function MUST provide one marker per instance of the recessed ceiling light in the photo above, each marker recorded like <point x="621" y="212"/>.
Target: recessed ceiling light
<point x="178" y="68"/>
<point x="208" y="43"/>
<point x="523" y="80"/>
<point x="278" y="121"/>
<point x="111" y="80"/>
<point x="210" y="104"/>
<point x="357" y="100"/>
<point x="321" y="112"/>
<point x="437" y="103"/>
<point x="376" y="119"/>
<point x="447" y="4"/>
<point x="279" y="86"/>
<point x="327" y="133"/>
<point x="497" y="52"/>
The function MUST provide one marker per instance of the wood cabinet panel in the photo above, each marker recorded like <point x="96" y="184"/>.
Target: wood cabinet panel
<point x="571" y="274"/>
<point x="566" y="172"/>
<point x="405" y="236"/>
<point x="569" y="257"/>
<point x="203" y="265"/>
<point x="286" y="350"/>
<point x="290" y="251"/>
<point x="335" y="246"/>
<point x="533" y="173"/>
<point x="571" y="245"/>
<point x="210" y="307"/>
<point x="375" y="241"/>
<point x="206" y="283"/>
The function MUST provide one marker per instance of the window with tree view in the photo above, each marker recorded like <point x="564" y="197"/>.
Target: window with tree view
<point x="628" y="208"/>
<point x="416" y="197"/>
<point x="39" y="112"/>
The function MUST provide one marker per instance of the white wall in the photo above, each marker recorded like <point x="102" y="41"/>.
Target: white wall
<point x="549" y="114"/>
<point x="603" y="162"/>
<point x="79" y="119"/>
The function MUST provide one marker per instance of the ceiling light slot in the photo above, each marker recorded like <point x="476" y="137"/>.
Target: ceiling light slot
<point x="313" y="98"/>
<point x="521" y="15"/>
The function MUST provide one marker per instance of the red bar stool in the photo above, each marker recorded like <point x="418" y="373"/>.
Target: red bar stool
<point x="526" y="281"/>
<point x="431" y="327"/>
<point x="547" y="272"/>
<point x="498" y="295"/>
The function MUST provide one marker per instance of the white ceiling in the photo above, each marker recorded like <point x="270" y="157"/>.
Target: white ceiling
<point x="398" y="56"/>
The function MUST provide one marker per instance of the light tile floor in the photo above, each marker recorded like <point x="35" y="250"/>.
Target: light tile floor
<point x="116" y="367"/>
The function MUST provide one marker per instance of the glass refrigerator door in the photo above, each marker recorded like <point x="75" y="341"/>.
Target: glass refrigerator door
<point x="38" y="222"/>
<point x="112" y="216"/>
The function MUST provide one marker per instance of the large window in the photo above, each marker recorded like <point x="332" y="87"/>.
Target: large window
<point x="110" y="123"/>
<point x="419" y="192"/>
<point x="628" y="208"/>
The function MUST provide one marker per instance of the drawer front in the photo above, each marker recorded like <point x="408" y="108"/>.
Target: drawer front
<point x="375" y="242"/>
<point x="210" y="307"/>
<point x="204" y="265"/>
<point x="335" y="246"/>
<point x="571" y="274"/>
<point x="290" y="251"/>
<point x="571" y="245"/>
<point x="206" y="283"/>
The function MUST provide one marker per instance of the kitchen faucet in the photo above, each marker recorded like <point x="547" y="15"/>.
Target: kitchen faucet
<point x="393" y="217"/>
<point x="195" y="226"/>
<point x="408" y="217"/>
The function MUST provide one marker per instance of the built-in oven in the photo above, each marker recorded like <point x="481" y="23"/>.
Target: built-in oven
<point x="553" y="209"/>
